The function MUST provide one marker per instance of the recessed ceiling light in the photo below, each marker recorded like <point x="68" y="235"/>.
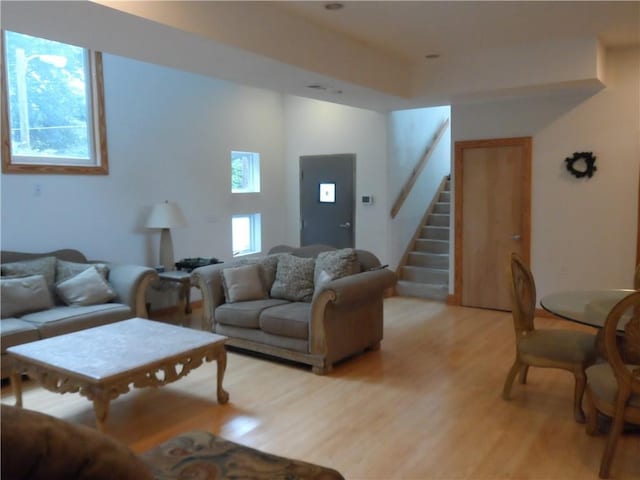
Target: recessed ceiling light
<point x="325" y="88"/>
<point x="334" y="6"/>
<point x="317" y="87"/>
<point x="432" y="56"/>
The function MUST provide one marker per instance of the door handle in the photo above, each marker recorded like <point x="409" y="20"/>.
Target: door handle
<point x="516" y="237"/>
<point x="345" y="225"/>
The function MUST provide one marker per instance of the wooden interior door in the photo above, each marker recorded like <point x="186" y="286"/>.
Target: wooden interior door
<point x="493" y="217"/>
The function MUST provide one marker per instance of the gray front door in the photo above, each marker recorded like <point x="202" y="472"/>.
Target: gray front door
<point x="327" y="200"/>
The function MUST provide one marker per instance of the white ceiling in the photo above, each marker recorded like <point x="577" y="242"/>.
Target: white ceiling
<point x="417" y="28"/>
<point x="372" y="52"/>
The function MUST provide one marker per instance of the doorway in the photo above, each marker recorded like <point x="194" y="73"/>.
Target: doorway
<point x="492" y="217"/>
<point x="327" y="199"/>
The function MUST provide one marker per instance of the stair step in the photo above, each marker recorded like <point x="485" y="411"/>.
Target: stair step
<point x="445" y="197"/>
<point x="424" y="274"/>
<point x="422" y="290"/>
<point x="435" y="233"/>
<point x="431" y="246"/>
<point x="438" y="220"/>
<point x="442" y="208"/>
<point x="430" y="260"/>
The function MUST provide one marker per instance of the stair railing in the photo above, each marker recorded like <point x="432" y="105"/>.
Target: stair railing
<point x="404" y="193"/>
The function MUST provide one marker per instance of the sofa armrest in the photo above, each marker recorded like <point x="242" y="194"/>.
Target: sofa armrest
<point x="130" y="283"/>
<point x="209" y="281"/>
<point x="359" y="287"/>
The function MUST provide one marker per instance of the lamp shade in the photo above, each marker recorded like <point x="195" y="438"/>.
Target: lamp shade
<point x="166" y="215"/>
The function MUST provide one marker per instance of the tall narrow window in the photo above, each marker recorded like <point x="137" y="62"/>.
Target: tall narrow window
<point x="52" y="108"/>
<point x="246" y="235"/>
<point x="245" y="172"/>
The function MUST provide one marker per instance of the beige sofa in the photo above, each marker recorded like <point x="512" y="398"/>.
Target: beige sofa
<point x="38" y="311"/>
<point x="341" y="315"/>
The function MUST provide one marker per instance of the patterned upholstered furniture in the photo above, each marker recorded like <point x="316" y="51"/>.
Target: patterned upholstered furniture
<point x="32" y="311"/>
<point x="314" y="304"/>
<point x="36" y="446"/>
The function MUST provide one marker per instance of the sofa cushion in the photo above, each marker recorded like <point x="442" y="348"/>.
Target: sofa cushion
<point x="294" y="278"/>
<point x="16" y="332"/>
<point x="288" y="320"/>
<point x="243" y="283"/>
<point x="20" y="295"/>
<point x="244" y="314"/>
<point x="45" y="266"/>
<point x="36" y="446"/>
<point x="61" y="319"/>
<point x="337" y="263"/>
<point x="65" y="270"/>
<point x="86" y="288"/>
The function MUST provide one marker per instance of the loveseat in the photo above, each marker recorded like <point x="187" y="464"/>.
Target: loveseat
<point x="315" y="304"/>
<point x="50" y="294"/>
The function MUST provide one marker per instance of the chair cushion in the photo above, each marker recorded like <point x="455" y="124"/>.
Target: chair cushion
<point x="568" y="346"/>
<point x="65" y="270"/>
<point x="86" y="288"/>
<point x="45" y="266"/>
<point x="244" y="314"/>
<point x="289" y="320"/>
<point x="243" y="283"/>
<point x="40" y="447"/>
<point x="337" y="263"/>
<point x="604" y="385"/>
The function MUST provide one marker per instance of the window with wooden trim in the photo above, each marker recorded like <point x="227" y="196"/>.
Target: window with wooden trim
<point x="52" y="107"/>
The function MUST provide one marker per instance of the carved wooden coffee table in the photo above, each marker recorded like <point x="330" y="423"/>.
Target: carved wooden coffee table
<point x="104" y="362"/>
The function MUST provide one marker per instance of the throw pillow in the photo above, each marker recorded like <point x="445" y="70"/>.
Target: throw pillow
<point x="294" y="279"/>
<point x="45" y="266"/>
<point x="65" y="270"/>
<point x="243" y="283"/>
<point x="37" y="446"/>
<point x="337" y="263"/>
<point x="86" y="288"/>
<point x="268" y="266"/>
<point x="22" y="295"/>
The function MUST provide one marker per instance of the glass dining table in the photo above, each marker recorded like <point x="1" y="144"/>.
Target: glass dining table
<point x="588" y="307"/>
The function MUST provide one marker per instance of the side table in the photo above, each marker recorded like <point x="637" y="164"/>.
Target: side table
<point x="184" y="280"/>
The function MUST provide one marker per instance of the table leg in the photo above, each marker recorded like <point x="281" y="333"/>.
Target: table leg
<point x="101" y="410"/>
<point x="187" y="296"/>
<point x="16" y="385"/>
<point x="221" y="360"/>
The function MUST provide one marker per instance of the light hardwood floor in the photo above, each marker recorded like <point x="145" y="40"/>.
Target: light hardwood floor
<point x="426" y="406"/>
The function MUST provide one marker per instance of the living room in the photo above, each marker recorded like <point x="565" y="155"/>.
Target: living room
<point x="170" y="133"/>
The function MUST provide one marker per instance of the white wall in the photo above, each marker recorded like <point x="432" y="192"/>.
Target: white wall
<point x="317" y="128"/>
<point x="583" y="230"/>
<point x="411" y="132"/>
<point x="170" y="134"/>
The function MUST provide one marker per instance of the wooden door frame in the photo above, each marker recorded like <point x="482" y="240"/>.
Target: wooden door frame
<point x="460" y="146"/>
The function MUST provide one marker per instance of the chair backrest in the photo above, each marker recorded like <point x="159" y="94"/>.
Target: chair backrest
<point x="523" y="295"/>
<point x="621" y="353"/>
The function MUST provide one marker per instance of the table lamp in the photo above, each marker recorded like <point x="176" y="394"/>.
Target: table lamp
<point x="165" y="216"/>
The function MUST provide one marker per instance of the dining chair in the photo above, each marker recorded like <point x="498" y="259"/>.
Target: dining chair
<point x="613" y="388"/>
<point x="547" y="348"/>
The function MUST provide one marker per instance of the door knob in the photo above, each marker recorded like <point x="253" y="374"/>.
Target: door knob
<point x="345" y="225"/>
<point x="516" y="237"/>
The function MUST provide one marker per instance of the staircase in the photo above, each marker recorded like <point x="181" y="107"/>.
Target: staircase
<point x="425" y="273"/>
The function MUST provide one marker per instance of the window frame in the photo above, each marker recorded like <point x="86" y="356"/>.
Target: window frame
<point x="254" y="170"/>
<point x="255" y="234"/>
<point x="97" y="133"/>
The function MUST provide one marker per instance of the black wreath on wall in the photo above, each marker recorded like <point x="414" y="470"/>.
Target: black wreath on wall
<point x="586" y="164"/>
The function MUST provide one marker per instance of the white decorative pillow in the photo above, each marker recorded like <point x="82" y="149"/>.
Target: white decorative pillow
<point x="294" y="278"/>
<point x="22" y="295"/>
<point x="65" y="270"/>
<point x="243" y="283"/>
<point x="45" y="266"/>
<point x="86" y="288"/>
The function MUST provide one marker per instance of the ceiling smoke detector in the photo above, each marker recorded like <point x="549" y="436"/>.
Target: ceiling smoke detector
<point x="334" y="6"/>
